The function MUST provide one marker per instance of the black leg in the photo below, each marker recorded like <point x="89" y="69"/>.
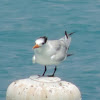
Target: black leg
<point x="44" y="71"/>
<point x="53" y="72"/>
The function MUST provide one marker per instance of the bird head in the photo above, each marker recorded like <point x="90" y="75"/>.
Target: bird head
<point x="40" y="42"/>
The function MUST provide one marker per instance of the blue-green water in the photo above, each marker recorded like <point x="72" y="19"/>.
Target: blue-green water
<point x="22" y="21"/>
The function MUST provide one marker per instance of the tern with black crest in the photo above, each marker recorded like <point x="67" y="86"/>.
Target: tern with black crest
<point x="51" y="52"/>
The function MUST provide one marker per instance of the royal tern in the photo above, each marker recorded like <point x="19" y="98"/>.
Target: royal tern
<point x="51" y="52"/>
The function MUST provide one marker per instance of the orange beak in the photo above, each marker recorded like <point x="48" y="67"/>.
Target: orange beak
<point x="36" y="46"/>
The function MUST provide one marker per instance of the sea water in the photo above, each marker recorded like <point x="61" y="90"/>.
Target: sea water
<point x="23" y="21"/>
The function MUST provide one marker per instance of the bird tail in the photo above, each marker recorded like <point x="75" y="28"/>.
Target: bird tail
<point x="67" y="35"/>
<point x="68" y="38"/>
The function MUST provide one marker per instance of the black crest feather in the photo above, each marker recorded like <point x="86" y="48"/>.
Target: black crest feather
<point x="45" y="39"/>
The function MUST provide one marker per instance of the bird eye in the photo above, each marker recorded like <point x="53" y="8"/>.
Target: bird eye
<point x="43" y="43"/>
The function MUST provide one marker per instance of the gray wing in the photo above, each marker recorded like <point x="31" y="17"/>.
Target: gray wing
<point x="59" y="56"/>
<point x="61" y="49"/>
<point x="53" y="47"/>
<point x="58" y="51"/>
